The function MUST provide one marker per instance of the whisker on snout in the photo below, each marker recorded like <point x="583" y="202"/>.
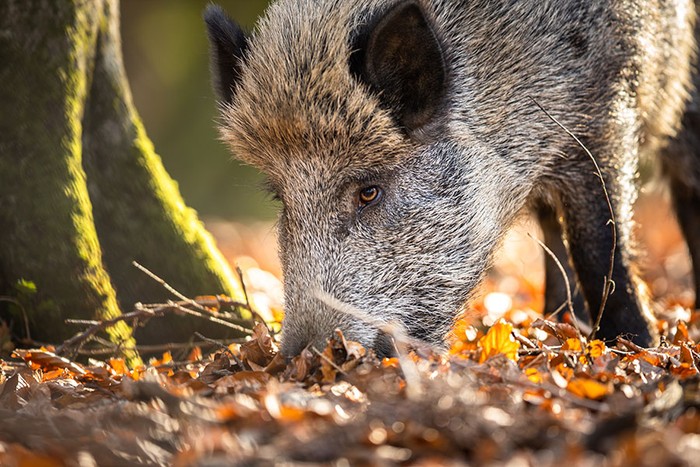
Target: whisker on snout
<point x="395" y="329"/>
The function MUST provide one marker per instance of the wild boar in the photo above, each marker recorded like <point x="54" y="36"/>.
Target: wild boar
<point x="405" y="137"/>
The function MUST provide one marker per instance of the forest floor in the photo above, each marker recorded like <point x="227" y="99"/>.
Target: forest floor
<point x="515" y="388"/>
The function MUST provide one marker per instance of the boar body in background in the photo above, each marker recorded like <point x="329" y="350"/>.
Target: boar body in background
<point x="405" y="137"/>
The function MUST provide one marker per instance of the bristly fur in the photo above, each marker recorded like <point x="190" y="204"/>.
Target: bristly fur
<point x="615" y="73"/>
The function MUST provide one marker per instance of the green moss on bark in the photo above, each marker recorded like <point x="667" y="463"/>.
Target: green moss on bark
<point x="82" y="192"/>
<point x="48" y="234"/>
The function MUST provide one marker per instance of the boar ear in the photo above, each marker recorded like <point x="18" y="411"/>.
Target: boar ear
<point x="228" y="45"/>
<point x="400" y="58"/>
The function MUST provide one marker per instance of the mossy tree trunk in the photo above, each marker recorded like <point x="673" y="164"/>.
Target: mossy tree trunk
<point x="82" y="192"/>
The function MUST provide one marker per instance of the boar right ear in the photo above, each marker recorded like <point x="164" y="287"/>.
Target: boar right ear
<point x="228" y="45"/>
<point x="400" y="58"/>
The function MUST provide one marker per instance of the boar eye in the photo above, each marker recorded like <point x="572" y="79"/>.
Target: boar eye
<point x="368" y="196"/>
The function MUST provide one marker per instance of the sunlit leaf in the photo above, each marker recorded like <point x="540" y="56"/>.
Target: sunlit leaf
<point x="499" y="341"/>
<point x="572" y="343"/>
<point x="534" y="375"/>
<point x="48" y="361"/>
<point x="588" y="388"/>
<point x="596" y="348"/>
<point x="681" y="334"/>
<point x="119" y="366"/>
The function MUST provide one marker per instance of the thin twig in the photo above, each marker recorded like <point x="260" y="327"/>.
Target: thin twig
<point x="142" y="313"/>
<point x="207" y="316"/>
<point x="168" y="287"/>
<point x="239" y="271"/>
<point x="220" y="314"/>
<point x="82" y="322"/>
<point x="223" y="347"/>
<point x="330" y="362"/>
<point x="558" y="310"/>
<point x="248" y="306"/>
<point x="569" y="302"/>
<point x="213" y="342"/>
<point x="79" y="339"/>
<point x="609" y="284"/>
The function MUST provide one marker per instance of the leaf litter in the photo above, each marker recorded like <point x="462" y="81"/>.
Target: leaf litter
<point x="523" y="391"/>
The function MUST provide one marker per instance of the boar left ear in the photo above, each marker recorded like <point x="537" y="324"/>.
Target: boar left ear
<point x="400" y="58"/>
<point x="228" y="45"/>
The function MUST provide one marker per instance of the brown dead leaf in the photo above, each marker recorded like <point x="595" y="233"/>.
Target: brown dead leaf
<point x="301" y="367"/>
<point x="277" y="365"/>
<point x="329" y="369"/>
<point x="220" y="367"/>
<point x="243" y="381"/>
<point x="259" y="349"/>
<point x="17" y="389"/>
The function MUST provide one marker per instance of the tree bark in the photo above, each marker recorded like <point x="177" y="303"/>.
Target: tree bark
<point x="82" y="192"/>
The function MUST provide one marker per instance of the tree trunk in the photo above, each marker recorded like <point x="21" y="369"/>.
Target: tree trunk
<point x="82" y="192"/>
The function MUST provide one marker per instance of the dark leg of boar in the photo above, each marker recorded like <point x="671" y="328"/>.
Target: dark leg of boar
<point x="587" y="216"/>
<point x="555" y="295"/>
<point x="687" y="204"/>
<point x="682" y="165"/>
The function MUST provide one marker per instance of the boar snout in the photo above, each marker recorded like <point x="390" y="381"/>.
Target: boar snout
<point x="314" y="323"/>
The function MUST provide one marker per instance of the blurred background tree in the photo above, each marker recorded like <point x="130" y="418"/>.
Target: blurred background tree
<point x="82" y="190"/>
<point x="167" y="63"/>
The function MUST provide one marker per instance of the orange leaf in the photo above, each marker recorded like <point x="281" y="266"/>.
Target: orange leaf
<point x="499" y="341"/>
<point x="209" y="301"/>
<point x="534" y="375"/>
<point x="119" y="366"/>
<point x="684" y="370"/>
<point x="681" y="334"/>
<point x="687" y="355"/>
<point x="392" y="362"/>
<point x="596" y="348"/>
<point x="572" y="343"/>
<point x="195" y="355"/>
<point x="588" y="388"/>
<point x="167" y="358"/>
<point x="54" y="374"/>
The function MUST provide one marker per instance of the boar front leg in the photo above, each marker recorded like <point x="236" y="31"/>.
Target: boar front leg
<point x="555" y="296"/>
<point x="591" y="240"/>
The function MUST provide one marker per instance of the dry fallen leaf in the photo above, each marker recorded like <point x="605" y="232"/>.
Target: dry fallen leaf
<point x="499" y="341"/>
